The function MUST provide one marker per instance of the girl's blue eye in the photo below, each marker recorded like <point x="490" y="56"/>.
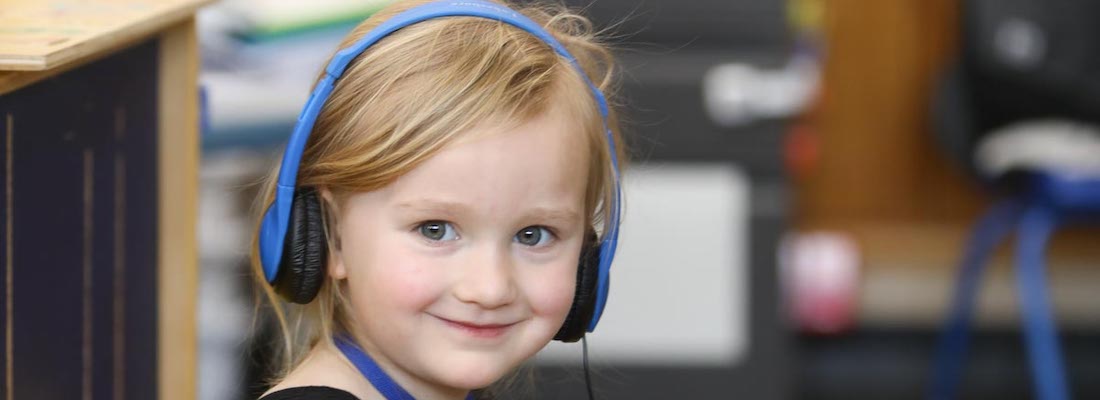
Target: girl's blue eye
<point x="534" y="236"/>
<point x="438" y="231"/>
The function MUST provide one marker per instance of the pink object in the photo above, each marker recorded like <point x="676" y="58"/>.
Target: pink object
<point x="820" y="278"/>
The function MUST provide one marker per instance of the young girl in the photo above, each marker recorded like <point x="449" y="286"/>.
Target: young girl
<point x="454" y="208"/>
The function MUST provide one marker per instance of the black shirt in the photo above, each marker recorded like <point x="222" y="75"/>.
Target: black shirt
<point x="310" y="393"/>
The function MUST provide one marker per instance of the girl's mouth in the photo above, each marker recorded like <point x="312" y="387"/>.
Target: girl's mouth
<point x="488" y="331"/>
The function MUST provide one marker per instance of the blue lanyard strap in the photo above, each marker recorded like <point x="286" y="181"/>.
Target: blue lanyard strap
<point x="374" y="374"/>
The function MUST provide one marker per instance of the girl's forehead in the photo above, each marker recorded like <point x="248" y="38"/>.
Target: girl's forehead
<point x="543" y="159"/>
<point x="558" y="120"/>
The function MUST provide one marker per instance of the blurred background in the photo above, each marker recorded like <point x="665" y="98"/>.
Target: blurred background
<point x="807" y="176"/>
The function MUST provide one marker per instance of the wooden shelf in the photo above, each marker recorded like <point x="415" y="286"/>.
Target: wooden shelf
<point x="908" y="275"/>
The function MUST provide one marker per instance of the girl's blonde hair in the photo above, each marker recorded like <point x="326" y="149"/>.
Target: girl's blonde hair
<point x="416" y="91"/>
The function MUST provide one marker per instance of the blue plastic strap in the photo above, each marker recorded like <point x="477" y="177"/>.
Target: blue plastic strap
<point x="1040" y="333"/>
<point x="374" y="374"/>
<point x="607" y="250"/>
<point x="992" y="229"/>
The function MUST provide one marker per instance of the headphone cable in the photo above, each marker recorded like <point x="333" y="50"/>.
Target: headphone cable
<point x="587" y="377"/>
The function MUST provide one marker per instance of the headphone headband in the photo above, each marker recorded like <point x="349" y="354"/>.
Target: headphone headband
<point x="274" y="226"/>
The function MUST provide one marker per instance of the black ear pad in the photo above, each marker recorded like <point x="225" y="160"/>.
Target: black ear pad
<point x="305" y="251"/>
<point x="584" y="300"/>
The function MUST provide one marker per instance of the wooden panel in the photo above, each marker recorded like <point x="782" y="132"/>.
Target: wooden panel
<point x="178" y="213"/>
<point x="878" y="157"/>
<point x="80" y="231"/>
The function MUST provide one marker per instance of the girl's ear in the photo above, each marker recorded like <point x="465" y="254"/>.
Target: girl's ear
<point x="336" y="269"/>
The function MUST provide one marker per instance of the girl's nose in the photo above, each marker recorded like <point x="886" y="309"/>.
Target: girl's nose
<point x="487" y="279"/>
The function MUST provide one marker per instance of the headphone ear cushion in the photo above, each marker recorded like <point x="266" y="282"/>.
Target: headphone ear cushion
<point x="584" y="298"/>
<point x="305" y="252"/>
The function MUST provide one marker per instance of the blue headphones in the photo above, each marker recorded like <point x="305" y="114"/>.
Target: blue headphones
<point x="293" y="250"/>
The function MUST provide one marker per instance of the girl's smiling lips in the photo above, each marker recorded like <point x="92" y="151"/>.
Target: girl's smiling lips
<point x="480" y="330"/>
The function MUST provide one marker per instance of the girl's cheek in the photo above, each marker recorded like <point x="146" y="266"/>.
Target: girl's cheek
<point x="410" y="281"/>
<point x="550" y="290"/>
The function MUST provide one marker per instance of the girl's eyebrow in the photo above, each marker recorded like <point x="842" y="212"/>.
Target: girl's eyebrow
<point x="453" y="208"/>
<point x="556" y="215"/>
<point x="448" y="208"/>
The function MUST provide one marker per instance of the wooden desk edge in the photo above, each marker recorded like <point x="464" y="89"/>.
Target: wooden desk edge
<point x="178" y="257"/>
<point x="95" y="49"/>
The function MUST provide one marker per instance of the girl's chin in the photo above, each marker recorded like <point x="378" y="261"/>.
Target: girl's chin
<point x="474" y="378"/>
<point x="472" y="374"/>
